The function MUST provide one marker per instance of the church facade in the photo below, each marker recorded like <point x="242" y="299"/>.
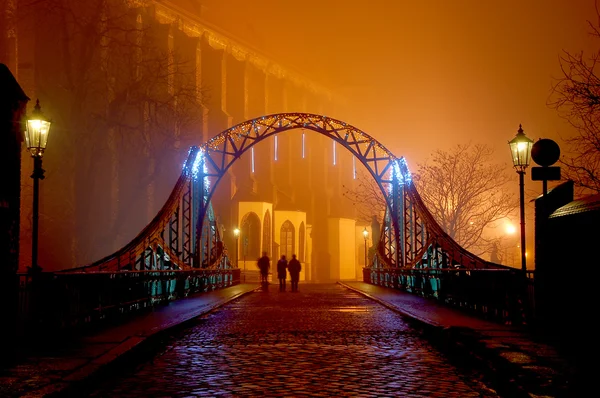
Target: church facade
<point x="130" y="86"/>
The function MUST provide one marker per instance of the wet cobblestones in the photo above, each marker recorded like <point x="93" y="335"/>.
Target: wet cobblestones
<point x="322" y="341"/>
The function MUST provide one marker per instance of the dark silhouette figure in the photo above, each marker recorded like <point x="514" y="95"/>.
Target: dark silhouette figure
<point x="294" y="267"/>
<point x="263" y="265"/>
<point x="282" y="272"/>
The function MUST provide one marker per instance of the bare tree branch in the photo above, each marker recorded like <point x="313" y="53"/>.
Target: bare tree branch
<point x="464" y="192"/>
<point x="461" y="189"/>
<point x="576" y="97"/>
<point x="124" y="95"/>
<point x="366" y="197"/>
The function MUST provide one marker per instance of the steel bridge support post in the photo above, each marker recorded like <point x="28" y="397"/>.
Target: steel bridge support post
<point x="397" y="219"/>
<point x="199" y="210"/>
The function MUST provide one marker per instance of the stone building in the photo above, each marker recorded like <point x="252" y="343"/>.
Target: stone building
<point x="130" y="86"/>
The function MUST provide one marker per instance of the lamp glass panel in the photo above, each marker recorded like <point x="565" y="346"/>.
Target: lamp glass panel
<point x="36" y="137"/>
<point x="520" y="148"/>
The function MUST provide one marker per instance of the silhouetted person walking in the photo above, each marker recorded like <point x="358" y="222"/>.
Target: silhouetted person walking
<point x="294" y="267"/>
<point x="263" y="265"/>
<point x="282" y="272"/>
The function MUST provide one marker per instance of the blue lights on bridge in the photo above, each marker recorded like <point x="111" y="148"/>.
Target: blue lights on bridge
<point x="401" y="172"/>
<point x="407" y="177"/>
<point x="199" y="162"/>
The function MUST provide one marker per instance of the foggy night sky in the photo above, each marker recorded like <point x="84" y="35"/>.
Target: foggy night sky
<point x="421" y="75"/>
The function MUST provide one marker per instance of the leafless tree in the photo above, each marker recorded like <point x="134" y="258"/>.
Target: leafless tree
<point x="575" y="95"/>
<point x="465" y="194"/>
<point x="366" y="197"/>
<point x="127" y="104"/>
<point x="461" y="188"/>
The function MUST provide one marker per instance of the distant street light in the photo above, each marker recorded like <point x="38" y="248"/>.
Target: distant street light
<point x="509" y="248"/>
<point x="520" y="148"/>
<point x="510" y="229"/>
<point x="236" y="233"/>
<point x="36" y="138"/>
<point x="365" y="235"/>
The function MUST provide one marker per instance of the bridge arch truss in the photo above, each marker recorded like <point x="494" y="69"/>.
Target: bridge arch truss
<point x="184" y="234"/>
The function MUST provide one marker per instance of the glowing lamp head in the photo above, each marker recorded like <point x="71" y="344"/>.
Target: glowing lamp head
<point x="36" y="132"/>
<point x="365" y="233"/>
<point x="520" y="148"/>
<point x="236" y="232"/>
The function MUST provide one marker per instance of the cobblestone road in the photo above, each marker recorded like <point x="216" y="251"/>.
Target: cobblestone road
<point x="322" y="341"/>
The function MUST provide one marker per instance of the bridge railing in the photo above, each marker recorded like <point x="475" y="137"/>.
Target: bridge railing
<point x="55" y="302"/>
<point x="500" y="295"/>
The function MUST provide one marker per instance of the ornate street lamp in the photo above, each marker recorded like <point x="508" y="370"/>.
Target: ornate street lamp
<point x="520" y="148"/>
<point x="236" y="233"/>
<point x="365" y="235"/>
<point x="36" y="138"/>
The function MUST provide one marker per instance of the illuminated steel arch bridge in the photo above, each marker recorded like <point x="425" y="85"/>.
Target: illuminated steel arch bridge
<point x="184" y="235"/>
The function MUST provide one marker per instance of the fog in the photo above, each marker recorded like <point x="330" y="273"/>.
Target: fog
<point x="423" y="76"/>
<point x="416" y="76"/>
<point x="418" y="73"/>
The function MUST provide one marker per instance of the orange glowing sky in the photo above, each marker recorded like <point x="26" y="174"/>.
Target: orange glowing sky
<point x="424" y="75"/>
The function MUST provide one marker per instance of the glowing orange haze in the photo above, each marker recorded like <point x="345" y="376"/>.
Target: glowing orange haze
<point x="424" y="76"/>
<point x="421" y="76"/>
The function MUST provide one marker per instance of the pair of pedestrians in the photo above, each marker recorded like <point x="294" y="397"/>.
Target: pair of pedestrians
<point x="294" y="267"/>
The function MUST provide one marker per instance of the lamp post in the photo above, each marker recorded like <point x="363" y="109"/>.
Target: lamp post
<point x="520" y="148"/>
<point x="36" y="138"/>
<point x="365" y="235"/>
<point x="236" y="233"/>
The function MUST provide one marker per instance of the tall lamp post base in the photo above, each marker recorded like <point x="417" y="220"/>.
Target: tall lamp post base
<point x="38" y="174"/>
<point x="522" y="208"/>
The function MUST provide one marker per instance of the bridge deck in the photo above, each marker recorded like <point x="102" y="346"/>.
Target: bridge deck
<point x="531" y="364"/>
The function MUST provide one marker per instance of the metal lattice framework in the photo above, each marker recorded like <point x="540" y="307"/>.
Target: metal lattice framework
<point x="172" y="239"/>
<point x="183" y="233"/>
